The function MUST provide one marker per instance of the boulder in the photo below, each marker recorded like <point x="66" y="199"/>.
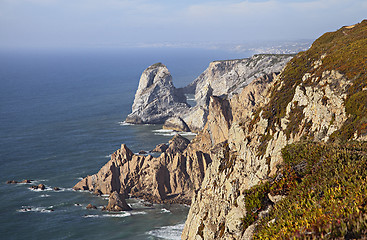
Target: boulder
<point x="90" y="206"/>
<point x="15" y="182"/>
<point x="11" y="182"/>
<point x="116" y="203"/>
<point x="177" y="144"/>
<point x="39" y="186"/>
<point x="160" y="148"/>
<point x="176" y="124"/>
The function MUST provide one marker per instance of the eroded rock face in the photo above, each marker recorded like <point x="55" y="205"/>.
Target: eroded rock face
<point x="229" y="77"/>
<point x="172" y="177"/>
<point x="156" y="98"/>
<point x="245" y="157"/>
<point x="117" y="203"/>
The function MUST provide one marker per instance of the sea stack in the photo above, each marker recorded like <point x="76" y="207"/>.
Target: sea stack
<point x="156" y="98"/>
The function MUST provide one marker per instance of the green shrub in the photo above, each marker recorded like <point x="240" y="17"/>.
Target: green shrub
<point x="326" y="193"/>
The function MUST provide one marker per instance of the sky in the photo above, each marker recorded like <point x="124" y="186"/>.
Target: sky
<point x="115" y="23"/>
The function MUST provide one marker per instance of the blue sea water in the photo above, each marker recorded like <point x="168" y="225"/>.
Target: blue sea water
<point x="61" y="115"/>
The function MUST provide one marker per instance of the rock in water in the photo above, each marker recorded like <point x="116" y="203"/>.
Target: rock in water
<point x="90" y="206"/>
<point x="117" y="202"/>
<point x="176" y="124"/>
<point x="156" y="98"/>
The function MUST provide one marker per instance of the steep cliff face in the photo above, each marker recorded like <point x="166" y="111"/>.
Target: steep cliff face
<point x="320" y="96"/>
<point x="228" y="78"/>
<point x="156" y="98"/>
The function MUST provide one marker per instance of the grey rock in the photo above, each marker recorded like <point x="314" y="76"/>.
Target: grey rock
<point x="156" y="98"/>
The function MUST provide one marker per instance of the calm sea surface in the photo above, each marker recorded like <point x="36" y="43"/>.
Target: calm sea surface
<point x="61" y="116"/>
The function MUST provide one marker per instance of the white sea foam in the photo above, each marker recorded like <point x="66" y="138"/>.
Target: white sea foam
<point x="165" y="210"/>
<point x="167" y="132"/>
<point x="91" y="216"/>
<point x="108" y="156"/>
<point x="40" y="190"/>
<point x="118" y="215"/>
<point x="168" y="232"/>
<point x="35" y="209"/>
<point x="44" y="195"/>
<point x="125" y="123"/>
<point x="113" y="215"/>
<point x="64" y="190"/>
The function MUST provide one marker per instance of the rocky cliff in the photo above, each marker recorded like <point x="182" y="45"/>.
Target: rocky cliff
<point x="227" y="78"/>
<point x="321" y="96"/>
<point x="156" y="98"/>
<point x="261" y="147"/>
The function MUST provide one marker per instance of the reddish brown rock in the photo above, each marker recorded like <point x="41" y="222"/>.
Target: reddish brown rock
<point x="172" y="177"/>
<point x="160" y="148"/>
<point x="90" y="206"/>
<point x="11" y="182"/>
<point x="116" y="203"/>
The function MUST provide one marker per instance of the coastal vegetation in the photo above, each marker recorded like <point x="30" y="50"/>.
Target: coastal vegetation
<point x="322" y="185"/>
<point x="325" y="193"/>
<point x="343" y="51"/>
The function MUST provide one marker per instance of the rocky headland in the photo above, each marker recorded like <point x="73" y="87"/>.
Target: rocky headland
<point x="158" y="101"/>
<point x="156" y="98"/>
<point x="278" y="154"/>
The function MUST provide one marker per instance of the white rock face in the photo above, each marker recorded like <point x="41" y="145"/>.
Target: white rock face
<point x="228" y="78"/>
<point x="156" y="98"/>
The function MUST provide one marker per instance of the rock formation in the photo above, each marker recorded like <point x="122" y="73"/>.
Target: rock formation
<point x="171" y="177"/>
<point x="158" y="101"/>
<point x="320" y="96"/>
<point x="156" y="98"/>
<point x="176" y="124"/>
<point x="116" y="203"/>
<point x="90" y="206"/>
<point x="309" y="100"/>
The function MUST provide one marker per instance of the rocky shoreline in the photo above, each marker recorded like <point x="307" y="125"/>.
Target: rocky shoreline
<point x="247" y="111"/>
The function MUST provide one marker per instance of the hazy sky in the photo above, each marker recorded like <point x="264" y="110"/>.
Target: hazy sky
<point x="74" y="23"/>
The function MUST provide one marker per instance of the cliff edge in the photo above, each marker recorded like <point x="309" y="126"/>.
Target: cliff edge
<point x="252" y="187"/>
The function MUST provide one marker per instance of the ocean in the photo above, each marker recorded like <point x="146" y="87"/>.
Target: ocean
<point x="61" y="116"/>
